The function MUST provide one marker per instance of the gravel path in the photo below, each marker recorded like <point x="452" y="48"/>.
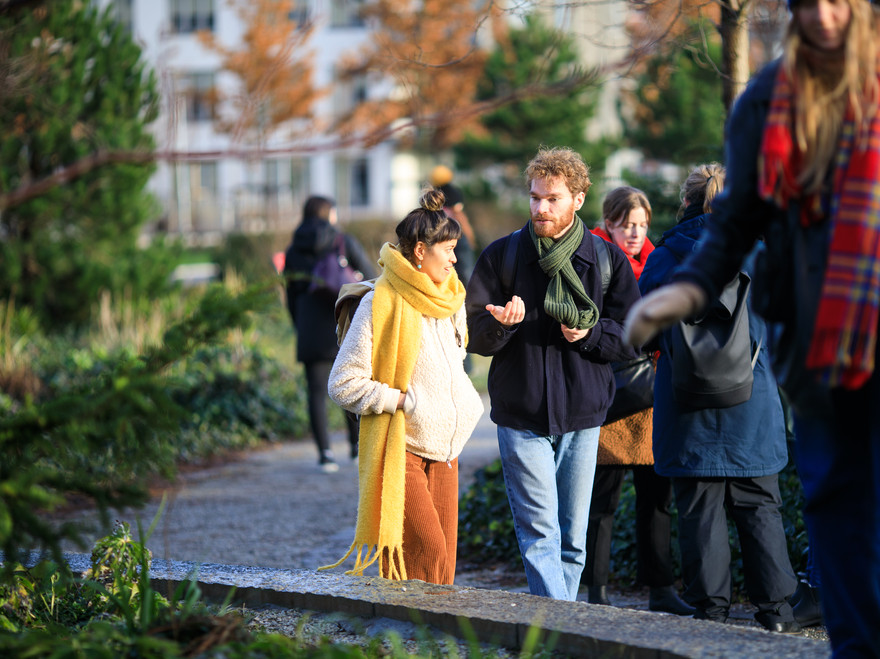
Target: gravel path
<point x="275" y="508"/>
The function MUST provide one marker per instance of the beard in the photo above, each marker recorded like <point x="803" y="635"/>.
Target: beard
<point x="551" y="227"/>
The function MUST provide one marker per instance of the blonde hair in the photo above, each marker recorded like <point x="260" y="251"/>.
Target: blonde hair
<point x="827" y="86"/>
<point x="702" y="186"/>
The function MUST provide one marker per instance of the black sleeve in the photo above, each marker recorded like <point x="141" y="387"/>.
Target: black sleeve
<point x="358" y="258"/>
<point x="486" y="336"/>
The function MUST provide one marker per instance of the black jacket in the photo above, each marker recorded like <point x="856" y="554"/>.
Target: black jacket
<point x="312" y="315"/>
<point x="538" y="381"/>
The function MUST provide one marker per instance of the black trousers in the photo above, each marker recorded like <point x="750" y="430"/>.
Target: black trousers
<point x="753" y="504"/>
<point x="653" y="525"/>
<point x="317" y="377"/>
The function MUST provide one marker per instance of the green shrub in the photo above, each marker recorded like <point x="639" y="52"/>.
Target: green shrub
<point x="100" y="423"/>
<point x="237" y="397"/>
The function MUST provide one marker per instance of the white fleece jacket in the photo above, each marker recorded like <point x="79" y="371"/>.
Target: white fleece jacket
<point x="442" y="407"/>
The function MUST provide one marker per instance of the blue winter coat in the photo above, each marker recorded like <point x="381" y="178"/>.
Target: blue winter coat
<point x="539" y="381"/>
<point x="746" y="440"/>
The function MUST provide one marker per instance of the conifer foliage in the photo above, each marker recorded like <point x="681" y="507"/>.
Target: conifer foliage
<point x="73" y="85"/>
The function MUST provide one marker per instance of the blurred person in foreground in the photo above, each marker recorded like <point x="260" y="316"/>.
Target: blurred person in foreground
<point x="803" y="167"/>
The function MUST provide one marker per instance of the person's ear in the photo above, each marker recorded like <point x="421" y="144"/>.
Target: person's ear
<point x="579" y="200"/>
<point x="419" y="250"/>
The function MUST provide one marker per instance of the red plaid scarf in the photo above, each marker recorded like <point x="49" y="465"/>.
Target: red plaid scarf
<point x="845" y="333"/>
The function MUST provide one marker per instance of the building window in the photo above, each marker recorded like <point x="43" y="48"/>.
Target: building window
<point x="198" y="89"/>
<point x="192" y="15"/>
<point x="300" y="12"/>
<point x="203" y="180"/>
<point x="360" y="183"/>
<point x="124" y="11"/>
<point x="346" y="13"/>
<point x="348" y="93"/>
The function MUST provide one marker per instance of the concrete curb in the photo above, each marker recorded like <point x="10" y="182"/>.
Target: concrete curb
<point x="498" y="617"/>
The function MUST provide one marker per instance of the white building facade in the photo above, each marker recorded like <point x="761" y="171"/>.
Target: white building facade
<point x="214" y="190"/>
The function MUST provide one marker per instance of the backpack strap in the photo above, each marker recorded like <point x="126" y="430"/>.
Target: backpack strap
<point x="508" y="262"/>
<point x="604" y="258"/>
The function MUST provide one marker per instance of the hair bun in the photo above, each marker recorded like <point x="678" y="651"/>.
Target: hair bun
<point x="432" y="200"/>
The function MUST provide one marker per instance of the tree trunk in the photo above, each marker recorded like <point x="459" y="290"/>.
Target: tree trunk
<point x="734" y="48"/>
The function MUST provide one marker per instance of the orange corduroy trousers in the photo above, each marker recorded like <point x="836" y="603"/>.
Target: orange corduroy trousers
<point x="430" y="519"/>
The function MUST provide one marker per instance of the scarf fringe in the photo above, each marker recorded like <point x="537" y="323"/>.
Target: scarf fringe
<point x="369" y="554"/>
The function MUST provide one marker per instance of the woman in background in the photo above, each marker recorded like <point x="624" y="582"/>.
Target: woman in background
<point x="626" y="444"/>
<point x="312" y="313"/>
<point x="723" y="462"/>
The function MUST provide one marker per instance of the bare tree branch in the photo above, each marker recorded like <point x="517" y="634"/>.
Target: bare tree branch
<point x="33" y="189"/>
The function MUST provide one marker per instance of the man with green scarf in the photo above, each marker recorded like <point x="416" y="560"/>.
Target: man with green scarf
<point x="551" y="333"/>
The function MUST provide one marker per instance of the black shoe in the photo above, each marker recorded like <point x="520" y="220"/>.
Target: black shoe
<point x="715" y="614"/>
<point x="806" y="605"/>
<point x="772" y="621"/>
<point x="597" y="595"/>
<point x="666" y="600"/>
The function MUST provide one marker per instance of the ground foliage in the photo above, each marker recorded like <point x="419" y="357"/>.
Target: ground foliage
<point x="113" y="611"/>
<point x="100" y="423"/>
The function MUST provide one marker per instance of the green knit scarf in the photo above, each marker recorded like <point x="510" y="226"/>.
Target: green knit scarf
<point x="565" y="292"/>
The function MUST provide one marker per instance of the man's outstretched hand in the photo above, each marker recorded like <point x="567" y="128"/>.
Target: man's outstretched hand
<point x="511" y="313"/>
<point x="661" y="308"/>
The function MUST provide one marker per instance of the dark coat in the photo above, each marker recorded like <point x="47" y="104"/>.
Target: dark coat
<point x="312" y="315"/>
<point x="787" y="285"/>
<point x="746" y="440"/>
<point x="538" y="381"/>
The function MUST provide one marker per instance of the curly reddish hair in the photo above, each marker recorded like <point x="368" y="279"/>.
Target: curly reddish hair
<point x="560" y="162"/>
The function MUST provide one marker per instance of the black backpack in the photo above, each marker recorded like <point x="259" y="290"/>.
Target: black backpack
<point x="711" y="357"/>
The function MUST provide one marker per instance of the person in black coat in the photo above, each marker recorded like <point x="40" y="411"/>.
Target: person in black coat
<point x="312" y="312"/>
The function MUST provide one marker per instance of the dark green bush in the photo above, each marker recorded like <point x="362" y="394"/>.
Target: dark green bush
<point x="237" y="397"/>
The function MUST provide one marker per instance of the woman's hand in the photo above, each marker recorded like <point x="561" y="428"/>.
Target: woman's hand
<point x="661" y="308"/>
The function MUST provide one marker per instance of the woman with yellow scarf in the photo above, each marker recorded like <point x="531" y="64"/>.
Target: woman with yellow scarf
<point x="401" y="369"/>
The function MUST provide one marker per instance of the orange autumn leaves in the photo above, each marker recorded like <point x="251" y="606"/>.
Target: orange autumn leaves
<point x="420" y="68"/>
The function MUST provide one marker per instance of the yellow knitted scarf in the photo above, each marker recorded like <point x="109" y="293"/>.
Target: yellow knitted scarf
<point x="403" y="294"/>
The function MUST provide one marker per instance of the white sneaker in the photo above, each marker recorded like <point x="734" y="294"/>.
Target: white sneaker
<point x="329" y="467"/>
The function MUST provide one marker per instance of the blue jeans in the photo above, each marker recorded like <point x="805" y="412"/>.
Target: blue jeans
<point x="838" y="458"/>
<point x="549" y="481"/>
